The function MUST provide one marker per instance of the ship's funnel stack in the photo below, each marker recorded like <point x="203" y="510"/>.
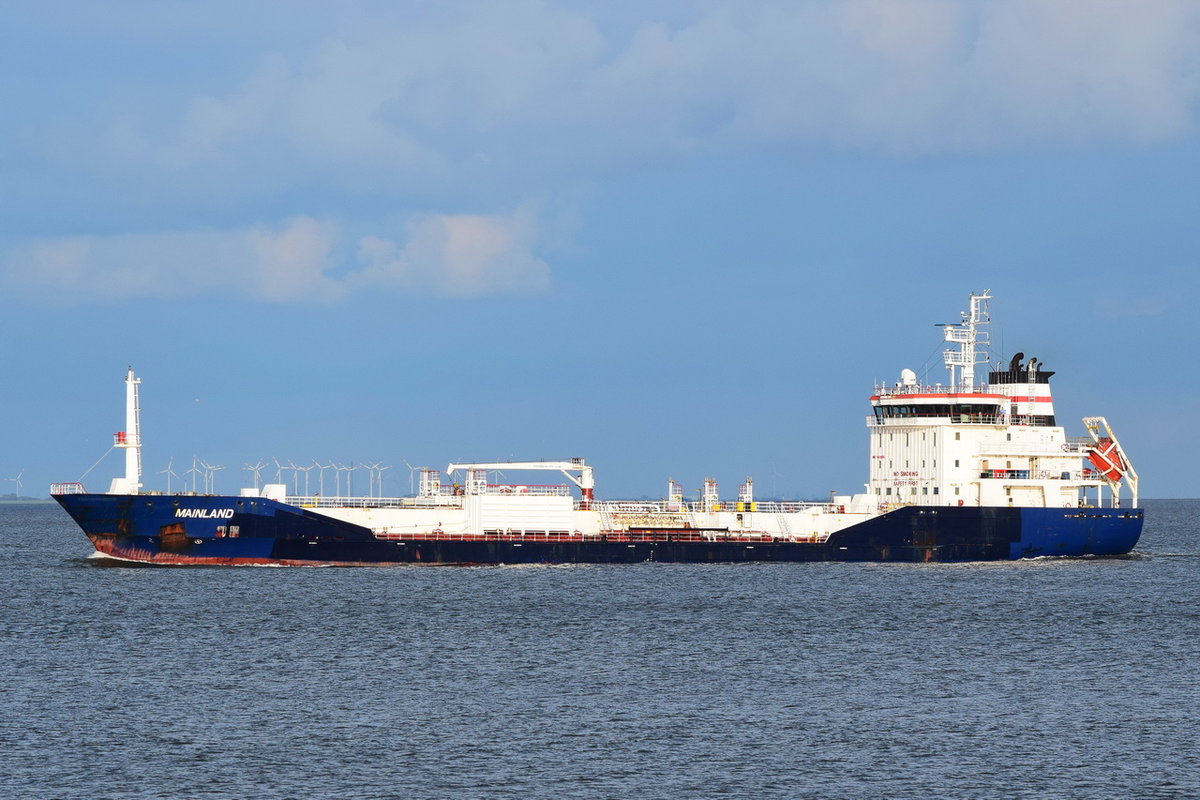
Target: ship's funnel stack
<point x="130" y="440"/>
<point x="1026" y="384"/>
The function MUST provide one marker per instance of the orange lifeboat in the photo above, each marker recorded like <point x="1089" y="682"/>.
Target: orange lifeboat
<point x="1106" y="458"/>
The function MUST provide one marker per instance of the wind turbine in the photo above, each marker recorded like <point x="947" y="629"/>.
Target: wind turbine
<point x="169" y="473"/>
<point x="321" y="480"/>
<point x="194" y="471"/>
<point x="256" y="469"/>
<point x="411" y="470"/>
<point x="17" y="481"/>
<point x="375" y="473"/>
<point x="349" y="470"/>
<point x="295" y="477"/>
<point x="212" y="487"/>
<point x="210" y="480"/>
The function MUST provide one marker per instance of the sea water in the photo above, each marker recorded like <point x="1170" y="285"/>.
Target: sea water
<point x="1034" y="679"/>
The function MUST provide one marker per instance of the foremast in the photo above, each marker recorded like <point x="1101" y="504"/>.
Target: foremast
<point x="130" y="440"/>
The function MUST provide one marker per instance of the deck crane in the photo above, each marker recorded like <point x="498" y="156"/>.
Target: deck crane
<point x="586" y="480"/>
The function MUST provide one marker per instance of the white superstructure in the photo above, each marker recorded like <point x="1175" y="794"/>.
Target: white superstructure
<point x="990" y="444"/>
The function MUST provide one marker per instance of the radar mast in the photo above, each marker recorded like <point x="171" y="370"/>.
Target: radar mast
<point x="972" y="342"/>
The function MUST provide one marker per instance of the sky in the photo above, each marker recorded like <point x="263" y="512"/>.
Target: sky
<point x="678" y="239"/>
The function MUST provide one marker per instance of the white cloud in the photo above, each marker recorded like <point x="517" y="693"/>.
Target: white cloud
<point x="921" y="76"/>
<point x="458" y="255"/>
<point x="291" y="264"/>
<point x="454" y="104"/>
<point x="452" y="255"/>
<point x="890" y="75"/>
<point x="1124" y="70"/>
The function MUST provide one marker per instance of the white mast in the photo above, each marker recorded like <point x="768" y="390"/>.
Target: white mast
<point x="130" y="440"/>
<point x="967" y="335"/>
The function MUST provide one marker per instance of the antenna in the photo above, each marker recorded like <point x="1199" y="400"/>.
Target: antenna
<point x="968" y="336"/>
<point x="17" y="480"/>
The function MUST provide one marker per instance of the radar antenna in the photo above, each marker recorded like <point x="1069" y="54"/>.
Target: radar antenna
<point x="972" y="342"/>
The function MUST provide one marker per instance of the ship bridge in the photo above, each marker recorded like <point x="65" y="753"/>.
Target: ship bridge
<point x="909" y="403"/>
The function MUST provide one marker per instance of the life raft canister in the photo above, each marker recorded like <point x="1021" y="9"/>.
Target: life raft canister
<point x="1106" y="458"/>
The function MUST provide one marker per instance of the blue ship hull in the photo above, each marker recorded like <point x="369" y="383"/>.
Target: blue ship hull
<point x="216" y="530"/>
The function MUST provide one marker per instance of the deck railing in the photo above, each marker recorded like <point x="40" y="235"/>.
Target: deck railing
<point x="697" y="507"/>
<point x="636" y="537"/>
<point x="1085" y="475"/>
<point x="953" y="419"/>
<point x="319" y="501"/>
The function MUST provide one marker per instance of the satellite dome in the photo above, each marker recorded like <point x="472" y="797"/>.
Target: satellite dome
<point x="908" y="377"/>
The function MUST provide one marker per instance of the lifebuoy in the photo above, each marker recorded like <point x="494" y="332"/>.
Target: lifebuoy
<point x="960" y="502"/>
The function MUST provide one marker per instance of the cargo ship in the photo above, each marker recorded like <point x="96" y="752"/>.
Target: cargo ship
<point x="964" y="470"/>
